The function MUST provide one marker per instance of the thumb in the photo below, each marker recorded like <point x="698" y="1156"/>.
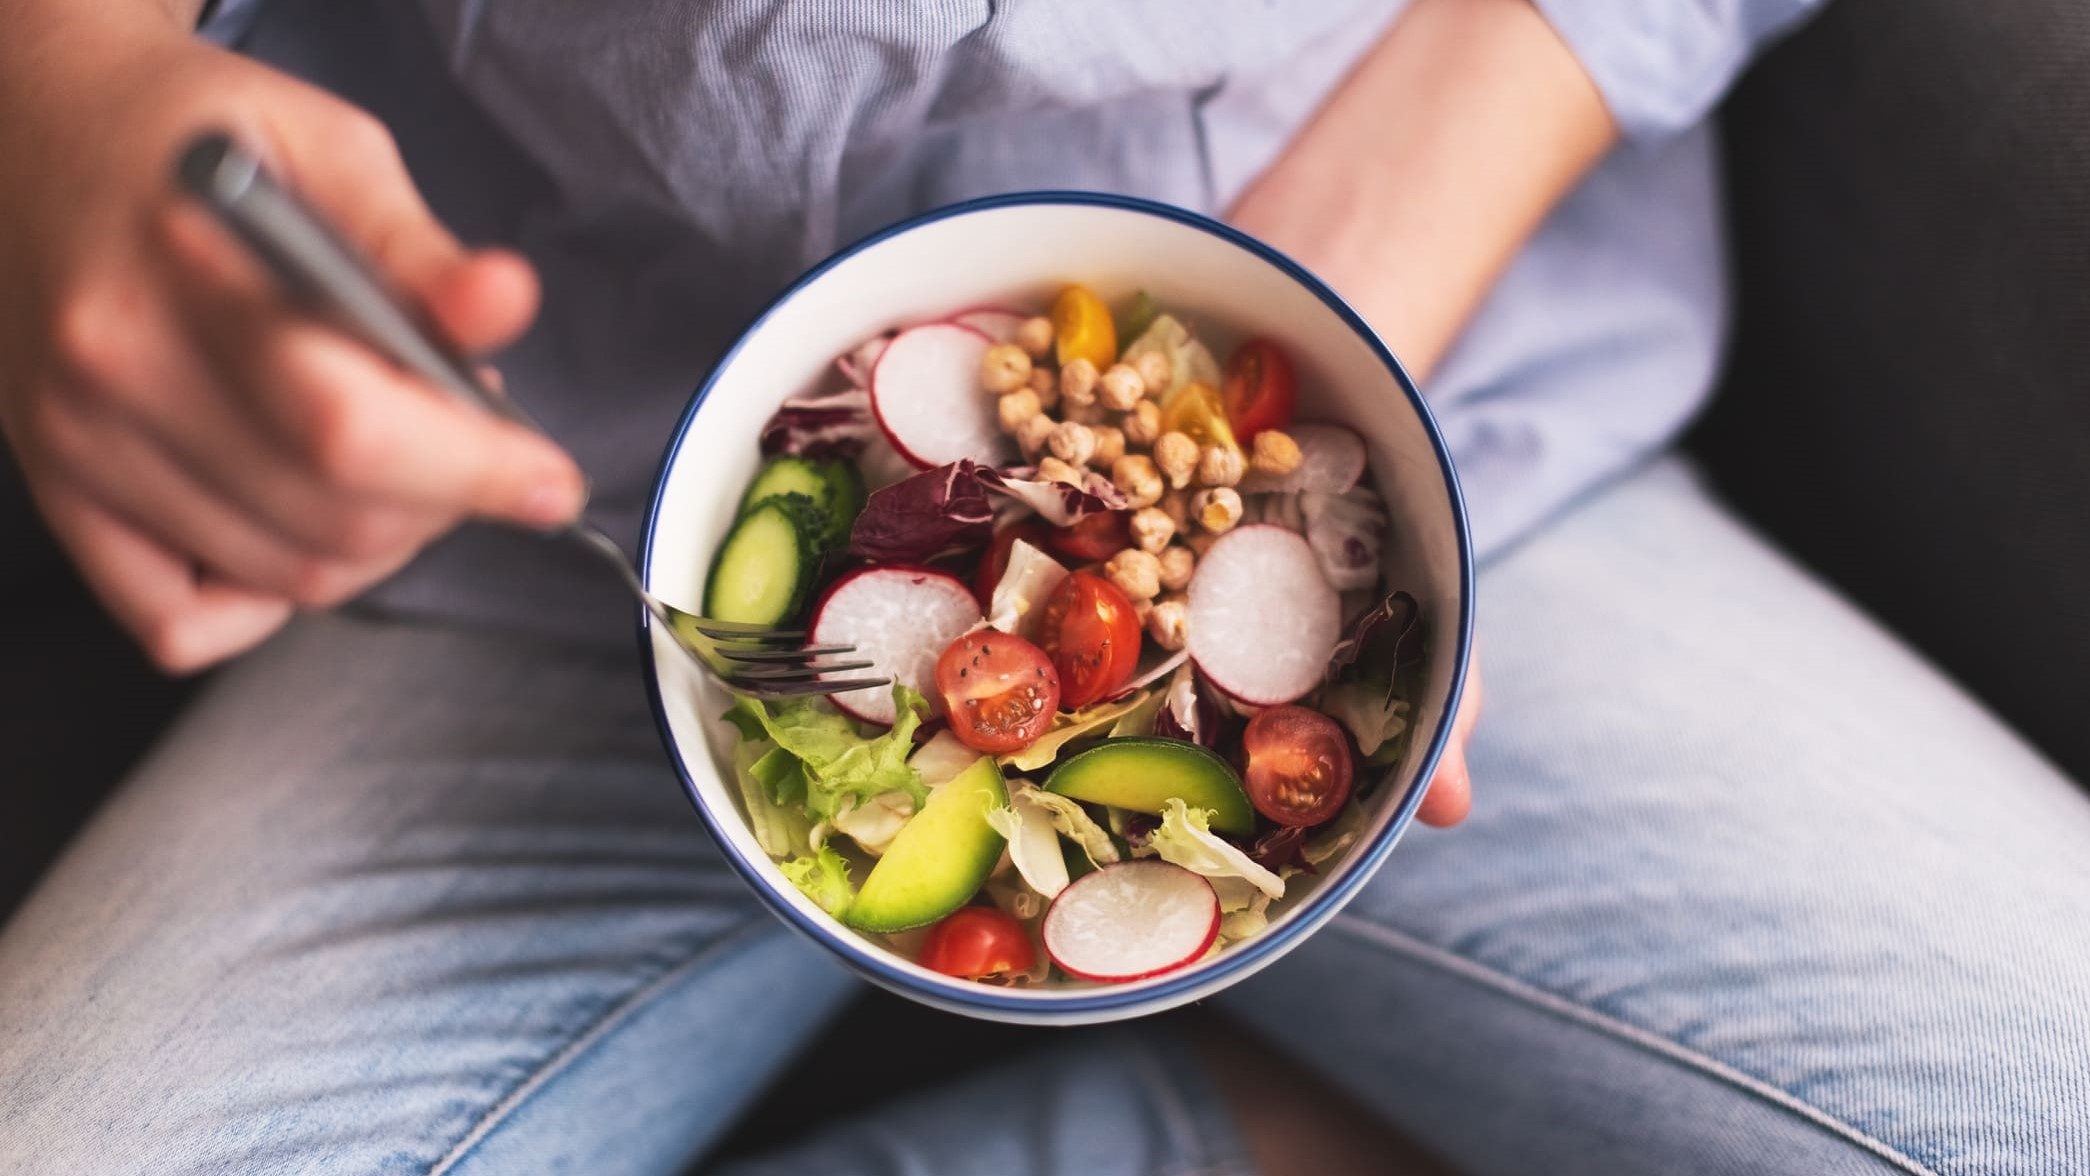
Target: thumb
<point x="351" y="170"/>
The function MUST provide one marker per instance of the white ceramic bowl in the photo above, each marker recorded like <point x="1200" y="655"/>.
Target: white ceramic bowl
<point x="1018" y="251"/>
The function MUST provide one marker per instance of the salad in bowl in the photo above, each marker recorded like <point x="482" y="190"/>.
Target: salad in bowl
<point x="1173" y="631"/>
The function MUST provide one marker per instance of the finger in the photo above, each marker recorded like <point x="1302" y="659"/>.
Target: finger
<point x="1450" y="795"/>
<point x="356" y="178"/>
<point x="182" y="622"/>
<point x="128" y="475"/>
<point x="361" y="425"/>
<point x="137" y="362"/>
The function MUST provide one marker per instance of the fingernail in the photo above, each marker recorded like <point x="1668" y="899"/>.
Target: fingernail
<point x="550" y="503"/>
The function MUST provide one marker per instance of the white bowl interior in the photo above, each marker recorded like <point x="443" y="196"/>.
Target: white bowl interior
<point x="1020" y="255"/>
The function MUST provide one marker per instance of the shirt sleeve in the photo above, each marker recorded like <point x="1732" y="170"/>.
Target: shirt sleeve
<point x="1662" y="65"/>
<point x="225" y="21"/>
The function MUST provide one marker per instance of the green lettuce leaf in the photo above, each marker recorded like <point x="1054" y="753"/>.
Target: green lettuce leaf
<point x="837" y="762"/>
<point x="824" y="877"/>
<point x="1185" y="838"/>
<point x="781" y="829"/>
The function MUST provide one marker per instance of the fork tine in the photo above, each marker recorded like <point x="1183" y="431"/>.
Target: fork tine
<point x="732" y="653"/>
<point x="776" y="673"/>
<point x="797" y="689"/>
<point x="736" y="631"/>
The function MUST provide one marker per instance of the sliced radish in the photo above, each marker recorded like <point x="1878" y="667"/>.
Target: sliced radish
<point x="993" y="322"/>
<point x="1263" y="619"/>
<point x="900" y="620"/>
<point x="1130" y="921"/>
<point x="925" y="392"/>
<point x="1332" y="459"/>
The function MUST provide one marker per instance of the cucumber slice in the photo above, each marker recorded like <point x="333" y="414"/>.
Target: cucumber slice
<point x="765" y="568"/>
<point x="1143" y="774"/>
<point x="835" y="487"/>
<point x="940" y="858"/>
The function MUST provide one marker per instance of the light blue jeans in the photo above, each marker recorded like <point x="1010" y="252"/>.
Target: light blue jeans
<point x="1748" y="888"/>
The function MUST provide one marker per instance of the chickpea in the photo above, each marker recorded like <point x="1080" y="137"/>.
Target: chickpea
<point x="1120" y="388"/>
<point x="1152" y="529"/>
<point x="1110" y="445"/>
<point x="1275" y="453"/>
<point x="1143" y="424"/>
<point x="1220" y="465"/>
<point x="1073" y="443"/>
<point x="1169" y="623"/>
<point x="1176" y="454"/>
<point x="1078" y="381"/>
<point x="1136" y="573"/>
<point x="1135" y="474"/>
<point x="1033" y="434"/>
<point x="1178" y="564"/>
<point x="1046" y="383"/>
<point x="1034" y="335"/>
<point x="1016" y="408"/>
<point x="1176" y="504"/>
<point x="1216" y="509"/>
<point x="1053" y="469"/>
<point x="1004" y="368"/>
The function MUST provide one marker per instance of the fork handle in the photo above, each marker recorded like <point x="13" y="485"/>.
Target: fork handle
<point x="321" y="269"/>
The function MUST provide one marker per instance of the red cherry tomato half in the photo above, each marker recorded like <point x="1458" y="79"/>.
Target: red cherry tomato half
<point x="1299" y="765"/>
<point x="979" y="943"/>
<point x="996" y="561"/>
<point x="1261" y="391"/>
<point x="1091" y="633"/>
<point x="1092" y="538"/>
<point x="999" y="691"/>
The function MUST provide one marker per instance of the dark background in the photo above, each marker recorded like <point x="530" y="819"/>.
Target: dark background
<point x="1904" y="411"/>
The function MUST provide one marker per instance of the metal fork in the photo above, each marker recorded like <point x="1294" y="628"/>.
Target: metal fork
<point x="319" y="267"/>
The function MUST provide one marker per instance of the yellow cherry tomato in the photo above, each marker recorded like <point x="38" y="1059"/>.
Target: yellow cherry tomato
<point x="1082" y="325"/>
<point x="1197" y="411"/>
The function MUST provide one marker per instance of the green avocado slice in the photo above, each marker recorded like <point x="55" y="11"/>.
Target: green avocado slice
<point x="1144" y="773"/>
<point x="940" y="858"/>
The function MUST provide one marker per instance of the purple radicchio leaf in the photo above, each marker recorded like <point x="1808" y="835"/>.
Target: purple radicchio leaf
<point x="836" y="424"/>
<point x="1281" y="847"/>
<point x="1059" y="503"/>
<point x="1189" y="713"/>
<point x="1389" y="634"/>
<point x="917" y="519"/>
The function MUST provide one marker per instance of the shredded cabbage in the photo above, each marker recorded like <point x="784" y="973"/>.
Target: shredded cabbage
<point x="1021" y="594"/>
<point x="1075" y="824"/>
<point x="1068" y="727"/>
<point x="1189" y="360"/>
<point x="1185" y="838"/>
<point x="1372" y="715"/>
<point x="1344" y="531"/>
<point x="941" y="759"/>
<point x="874" y="823"/>
<point x="1034" y="845"/>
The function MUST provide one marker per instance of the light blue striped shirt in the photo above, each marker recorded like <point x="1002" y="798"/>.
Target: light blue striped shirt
<point x="671" y="165"/>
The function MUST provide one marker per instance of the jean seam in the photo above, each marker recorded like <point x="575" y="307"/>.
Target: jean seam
<point x="588" y="1037"/>
<point x="1462" y="967"/>
<point x="1183" y="1121"/>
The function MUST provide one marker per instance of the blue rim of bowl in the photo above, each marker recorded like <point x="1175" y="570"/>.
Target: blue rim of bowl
<point x="1254" y="952"/>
